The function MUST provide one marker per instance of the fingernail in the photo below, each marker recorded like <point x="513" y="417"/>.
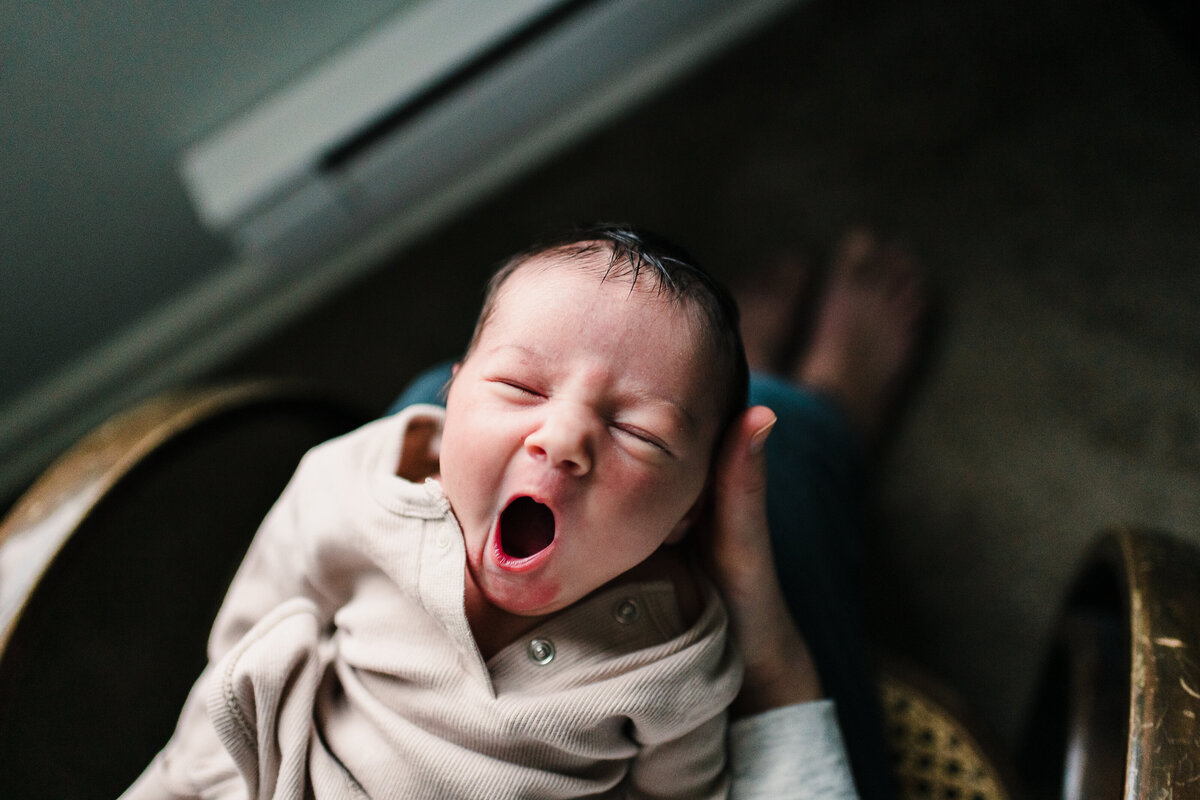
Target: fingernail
<point x="759" y="440"/>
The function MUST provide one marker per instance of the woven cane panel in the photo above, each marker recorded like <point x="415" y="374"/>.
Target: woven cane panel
<point x="934" y="756"/>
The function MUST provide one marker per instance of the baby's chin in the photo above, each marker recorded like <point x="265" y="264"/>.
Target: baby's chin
<point x="531" y="600"/>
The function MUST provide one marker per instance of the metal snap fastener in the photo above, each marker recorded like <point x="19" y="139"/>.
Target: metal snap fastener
<point x="541" y="651"/>
<point x="626" y="611"/>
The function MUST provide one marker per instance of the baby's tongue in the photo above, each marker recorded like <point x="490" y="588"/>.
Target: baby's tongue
<point x="526" y="527"/>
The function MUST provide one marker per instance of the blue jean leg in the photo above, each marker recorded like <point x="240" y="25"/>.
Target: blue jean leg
<point x="428" y="387"/>
<point x="816" y="480"/>
<point x="816" y="472"/>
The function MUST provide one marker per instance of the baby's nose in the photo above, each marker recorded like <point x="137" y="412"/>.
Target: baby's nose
<point x="565" y="438"/>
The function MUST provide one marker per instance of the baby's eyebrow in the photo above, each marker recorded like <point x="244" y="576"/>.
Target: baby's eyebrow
<point x="523" y="350"/>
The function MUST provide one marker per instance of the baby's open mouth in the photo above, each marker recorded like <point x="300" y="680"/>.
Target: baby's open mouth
<point x="526" y="528"/>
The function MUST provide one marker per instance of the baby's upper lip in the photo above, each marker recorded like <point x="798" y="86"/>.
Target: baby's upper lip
<point x="545" y="488"/>
<point x="537" y="498"/>
<point x="532" y="495"/>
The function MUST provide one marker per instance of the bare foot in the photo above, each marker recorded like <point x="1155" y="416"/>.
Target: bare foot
<point x="866" y="329"/>
<point x="770" y="307"/>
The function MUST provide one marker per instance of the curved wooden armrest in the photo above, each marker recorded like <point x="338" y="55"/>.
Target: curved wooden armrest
<point x="1162" y="578"/>
<point x="1116" y="714"/>
<point x="112" y="566"/>
<point x="42" y="520"/>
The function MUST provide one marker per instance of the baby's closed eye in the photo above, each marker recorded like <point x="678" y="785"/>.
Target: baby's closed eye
<point x="641" y="435"/>
<point x="514" y="389"/>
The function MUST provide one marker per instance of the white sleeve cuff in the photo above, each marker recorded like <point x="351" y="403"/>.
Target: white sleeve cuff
<point x="790" y="752"/>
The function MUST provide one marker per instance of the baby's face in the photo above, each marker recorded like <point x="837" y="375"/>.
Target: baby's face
<point x="578" y="434"/>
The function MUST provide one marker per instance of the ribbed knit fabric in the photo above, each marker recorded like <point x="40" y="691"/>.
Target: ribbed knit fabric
<point x="342" y="664"/>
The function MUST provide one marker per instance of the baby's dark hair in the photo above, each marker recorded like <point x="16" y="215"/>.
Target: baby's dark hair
<point x="635" y="253"/>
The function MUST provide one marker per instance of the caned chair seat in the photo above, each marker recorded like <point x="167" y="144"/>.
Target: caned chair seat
<point x="938" y="751"/>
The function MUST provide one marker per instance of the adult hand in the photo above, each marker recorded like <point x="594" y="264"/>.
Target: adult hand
<point x="779" y="666"/>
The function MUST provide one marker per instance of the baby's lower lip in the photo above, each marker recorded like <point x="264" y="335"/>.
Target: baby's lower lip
<point x="509" y="563"/>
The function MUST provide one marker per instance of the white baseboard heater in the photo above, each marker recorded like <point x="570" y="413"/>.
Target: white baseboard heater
<point x="444" y="99"/>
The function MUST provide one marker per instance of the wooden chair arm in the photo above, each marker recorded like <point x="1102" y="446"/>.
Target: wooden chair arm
<point x="112" y="566"/>
<point x="1162" y="578"/>
<point x="1116" y="713"/>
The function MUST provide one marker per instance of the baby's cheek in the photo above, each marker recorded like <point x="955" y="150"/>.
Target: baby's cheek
<point x="651" y="494"/>
<point x="635" y="486"/>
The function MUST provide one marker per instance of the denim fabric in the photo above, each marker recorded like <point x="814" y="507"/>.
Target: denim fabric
<point x="816" y="476"/>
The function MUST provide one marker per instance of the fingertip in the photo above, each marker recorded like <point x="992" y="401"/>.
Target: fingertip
<point x="755" y="417"/>
<point x="745" y="438"/>
<point x="760" y="424"/>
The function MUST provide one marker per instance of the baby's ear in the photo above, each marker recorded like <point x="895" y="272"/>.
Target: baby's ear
<point x="444" y="392"/>
<point x="691" y="517"/>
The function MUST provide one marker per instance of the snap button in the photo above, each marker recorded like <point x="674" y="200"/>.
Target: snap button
<point x="442" y="539"/>
<point x="541" y="651"/>
<point x="626" y="611"/>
